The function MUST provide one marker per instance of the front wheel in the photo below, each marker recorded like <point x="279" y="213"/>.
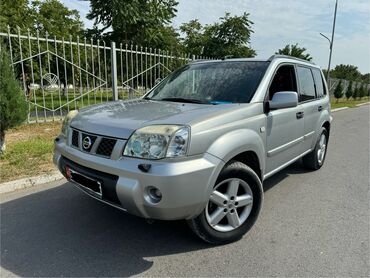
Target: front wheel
<point x="233" y="205"/>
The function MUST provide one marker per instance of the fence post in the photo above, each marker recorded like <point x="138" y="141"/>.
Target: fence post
<point x="114" y="70"/>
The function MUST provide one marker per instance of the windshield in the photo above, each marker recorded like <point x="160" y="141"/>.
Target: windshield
<point x="212" y="83"/>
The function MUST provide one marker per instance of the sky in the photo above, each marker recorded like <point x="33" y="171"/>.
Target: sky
<point x="278" y="23"/>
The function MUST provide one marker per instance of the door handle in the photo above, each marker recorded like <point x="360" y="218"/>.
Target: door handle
<point x="300" y="115"/>
<point x="319" y="108"/>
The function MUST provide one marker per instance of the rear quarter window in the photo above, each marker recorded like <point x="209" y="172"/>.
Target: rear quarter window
<point x="319" y="82"/>
<point x="306" y="84"/>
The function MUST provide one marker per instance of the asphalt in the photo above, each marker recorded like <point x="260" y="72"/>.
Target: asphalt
<point x="312" y="224"/>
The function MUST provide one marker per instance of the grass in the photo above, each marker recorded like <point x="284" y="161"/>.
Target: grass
<point x="343" y="102"/>
<point x="29" y="151"/>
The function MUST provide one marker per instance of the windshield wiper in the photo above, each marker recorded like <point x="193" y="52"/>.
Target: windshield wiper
<point x="186" y="100"/>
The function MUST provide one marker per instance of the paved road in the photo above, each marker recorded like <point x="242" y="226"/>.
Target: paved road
<point x="312" y="224"/>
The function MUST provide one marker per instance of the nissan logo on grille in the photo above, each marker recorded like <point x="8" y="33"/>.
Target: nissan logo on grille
<point x="86" y="143"/>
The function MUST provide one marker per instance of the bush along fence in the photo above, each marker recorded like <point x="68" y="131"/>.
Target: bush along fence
<point x="348" y="89"/>
<point x="58" y="75"/>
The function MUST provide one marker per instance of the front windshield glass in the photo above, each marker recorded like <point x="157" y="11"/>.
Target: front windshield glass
<point x="212" y="82"/>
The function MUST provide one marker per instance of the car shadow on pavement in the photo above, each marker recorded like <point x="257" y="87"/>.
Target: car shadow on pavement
<point x="63" y="232"/>
<point x="295" y="168"/>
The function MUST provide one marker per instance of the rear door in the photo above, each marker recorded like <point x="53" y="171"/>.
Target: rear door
<point x="309" y="98"/>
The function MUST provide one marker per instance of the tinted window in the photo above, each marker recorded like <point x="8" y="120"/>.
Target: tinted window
<point x="320" y="91"/>
<point x="284" y="80"/>
<point x="212" y="82"/>
<point x="306" y="84"/>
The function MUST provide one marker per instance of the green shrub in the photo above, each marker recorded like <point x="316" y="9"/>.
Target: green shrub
<point x="13" y="106"/>
<point x="338" y="92"/>
<point x="355" y="93"/>
<point x="362" y="91"/>
<point x="349" y="91"/>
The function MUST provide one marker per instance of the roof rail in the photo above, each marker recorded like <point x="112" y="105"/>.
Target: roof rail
<point x="199" y="60"/>
<point x="276" y="56"/>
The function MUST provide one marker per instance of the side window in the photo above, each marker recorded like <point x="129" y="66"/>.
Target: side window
<point x="306" y="84"/>
<point x="284" y="80"/>
<point x="320" y="89"/>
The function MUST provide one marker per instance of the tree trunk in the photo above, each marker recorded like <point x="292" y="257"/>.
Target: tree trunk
<point x="2" y="142"/>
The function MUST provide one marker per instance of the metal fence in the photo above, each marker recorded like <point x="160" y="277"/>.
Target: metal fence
<point x="58" y="75"/>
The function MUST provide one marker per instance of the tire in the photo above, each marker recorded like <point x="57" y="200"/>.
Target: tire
<point x="315" y="159"/>
<point x="243" y="207"/>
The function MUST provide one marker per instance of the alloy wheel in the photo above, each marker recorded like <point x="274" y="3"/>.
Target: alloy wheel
<point x="322" y="149"/>
<point x="229" y="205"/>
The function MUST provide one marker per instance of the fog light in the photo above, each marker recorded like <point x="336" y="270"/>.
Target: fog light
<point x="153" y="195"/>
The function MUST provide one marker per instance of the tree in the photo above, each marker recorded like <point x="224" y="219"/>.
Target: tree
<point x="194" y="39"/>
<point x="355" y="92"/>
<point x="139" y="22"/>
<point x="349" y="90"/>
<point x="338" y="92"/>
<point x="228" y="37"/>
<point x="361" y="91"/>
<point x="53" y="17"/>
<point x="231" y="36"/>
<point x="15" y="13"/>
<point x="13" y="106"/>
<point x="295" y="51"/>
<point x="44" y="16"/>
<point x="366" y="78"/>
<point x="347" y="72"/>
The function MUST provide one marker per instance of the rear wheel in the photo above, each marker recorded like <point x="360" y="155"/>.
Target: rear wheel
<point x="233" y="206"/>
<point x="315" y="159"/>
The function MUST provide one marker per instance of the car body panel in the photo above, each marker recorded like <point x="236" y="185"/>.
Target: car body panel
<point x="284" y="136"/>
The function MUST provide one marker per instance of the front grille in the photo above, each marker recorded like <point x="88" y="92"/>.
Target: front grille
<point x="93" y="143"/>
<point x="75" y="138"/>
<point x="106" y="146"/>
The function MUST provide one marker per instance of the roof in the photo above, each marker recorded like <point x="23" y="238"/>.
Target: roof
<point x="272" y="58"/>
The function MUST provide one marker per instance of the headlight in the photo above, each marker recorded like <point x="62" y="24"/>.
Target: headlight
<point x="71" y="114"/>
<point x="158" y="141"/>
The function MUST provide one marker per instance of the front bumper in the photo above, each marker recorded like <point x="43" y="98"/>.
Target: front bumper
<point x="185" y="184"/>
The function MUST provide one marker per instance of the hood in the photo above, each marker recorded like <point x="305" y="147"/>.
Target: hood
<point x="121" y="118"/>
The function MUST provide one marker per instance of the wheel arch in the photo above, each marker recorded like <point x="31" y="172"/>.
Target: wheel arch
<point x="246" y="146"/>
<point x="324" y="121"/>
<point x="250" y="159"/>
<point x="326" y="125"/>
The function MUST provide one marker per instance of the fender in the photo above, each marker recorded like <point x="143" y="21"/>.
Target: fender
<point x="238" y="141"/>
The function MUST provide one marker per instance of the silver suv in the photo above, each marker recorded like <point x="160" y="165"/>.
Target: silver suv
<point x="199" y="145"/>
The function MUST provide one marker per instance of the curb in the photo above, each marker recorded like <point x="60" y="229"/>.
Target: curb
<point x="11" y="186"/>
<point x="339" y="109"/>
<point x="361" y="104"/>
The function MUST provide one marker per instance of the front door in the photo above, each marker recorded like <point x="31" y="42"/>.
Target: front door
<point x="285" y="127"/>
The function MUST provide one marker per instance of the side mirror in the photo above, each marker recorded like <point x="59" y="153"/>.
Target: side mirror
<point x="283" y="100"/>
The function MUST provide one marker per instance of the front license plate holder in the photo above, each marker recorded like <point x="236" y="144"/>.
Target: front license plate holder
<point x="88" y="184"/>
